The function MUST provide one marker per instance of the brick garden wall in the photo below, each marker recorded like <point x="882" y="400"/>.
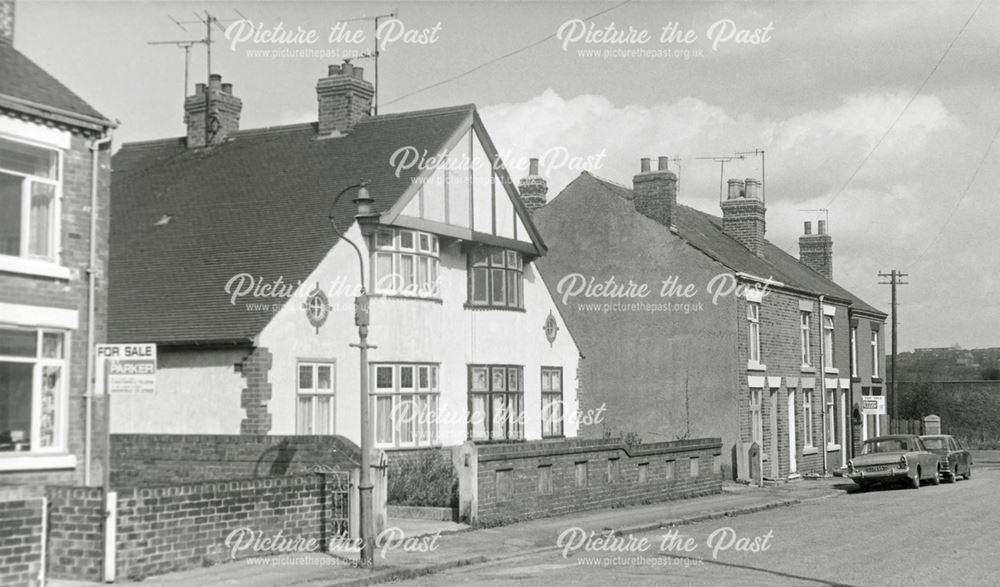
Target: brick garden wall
<point x="21" y="517"/>
<point x="75" y="533"/>
<point x="185" y="526"/>
<point x="151" y="459"/>
<point x="537" y="479"/>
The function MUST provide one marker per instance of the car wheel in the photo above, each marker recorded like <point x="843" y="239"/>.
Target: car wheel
<point x="968" y="473"/>
<point x="953" y="475"/>
<point x="936" y="479"/>
<point x="915" y="481"/>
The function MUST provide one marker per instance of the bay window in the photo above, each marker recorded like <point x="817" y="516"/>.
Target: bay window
<point x="29" y="197"/>
<point x="32" y="390"/>
<point x="405" y="404"/>
<point x="552" y="402"/>
<point x="406" y="263"/>
<point x="315" y="400"/>
<point x="496" y="278"/>
<point x="496" y="402"/>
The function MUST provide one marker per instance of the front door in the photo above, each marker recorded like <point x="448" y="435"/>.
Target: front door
<point x="773" y="426"/>
<point x="793" y="465"/>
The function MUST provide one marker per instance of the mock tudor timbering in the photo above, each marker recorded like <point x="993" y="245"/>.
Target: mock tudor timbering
<point x="345" y="97"/>
<point x="743" y="214"/>
<point x="655" y="191"/>
<point x="223" y="113"/>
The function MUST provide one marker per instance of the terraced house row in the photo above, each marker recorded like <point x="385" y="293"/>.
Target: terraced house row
<point x="768" y="350"/>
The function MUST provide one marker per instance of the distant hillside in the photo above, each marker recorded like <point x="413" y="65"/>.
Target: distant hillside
<point x="948" y="364"/>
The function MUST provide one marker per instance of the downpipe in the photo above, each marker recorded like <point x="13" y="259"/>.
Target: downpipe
<point x="95" y="156"/>
<point x="822" y="382"/>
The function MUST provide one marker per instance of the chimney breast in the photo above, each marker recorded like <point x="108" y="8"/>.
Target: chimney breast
<point x="743" y="214"/>
<point x="655" y="192"/>
<point x="212" y="113"/>
<point x="7" y="22"/>
<point x="345" y="97"/>
<point x="816" y="250"/>
<point x="533" y="188"/>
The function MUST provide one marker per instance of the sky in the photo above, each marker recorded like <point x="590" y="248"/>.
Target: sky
<point x="884" y="114"/>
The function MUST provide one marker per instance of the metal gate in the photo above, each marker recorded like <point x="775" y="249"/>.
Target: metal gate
<point x="336" y="513"/>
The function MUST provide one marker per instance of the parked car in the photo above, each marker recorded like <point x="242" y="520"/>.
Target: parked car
<point x="955" y="460"/>
<point x="898" y="458"/>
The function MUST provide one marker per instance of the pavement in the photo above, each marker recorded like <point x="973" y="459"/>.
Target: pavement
<point x="433" y="547"/>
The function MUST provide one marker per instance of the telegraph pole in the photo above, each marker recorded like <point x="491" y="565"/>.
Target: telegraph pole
<point x="895" y="278"/>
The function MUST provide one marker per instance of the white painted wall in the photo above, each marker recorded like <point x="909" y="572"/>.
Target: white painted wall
<point x="419" y="331"/>
<point x="197" y="392"/>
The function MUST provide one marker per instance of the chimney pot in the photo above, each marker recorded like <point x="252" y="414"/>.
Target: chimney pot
<point x="735" y="189"/>
<point x="333" y="70"/>
<point x="644" y="165"/>
<point x="227" y="89"/>
<point x="215" y="81"/>
<point x="808" y="227"/>
<point x="752" y="188"/>
<point x="663" y="164"/>
<point x="199" y="88"/>
<point x="821" y="227"/>
<point x="347" y="69"/>
<point x="533" y="166"/>
<point x="359" y="72"/>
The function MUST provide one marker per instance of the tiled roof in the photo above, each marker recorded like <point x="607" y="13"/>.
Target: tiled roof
<point x="704" y="232"/>
<point x="186" y="221"/>
<point x="22" y="79"/>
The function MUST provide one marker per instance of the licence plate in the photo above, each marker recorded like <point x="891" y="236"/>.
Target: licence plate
<point x="877" y="468"/>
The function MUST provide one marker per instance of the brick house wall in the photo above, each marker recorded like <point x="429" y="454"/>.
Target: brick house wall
<point x="256" y="369"/>
<point x="545" y="478"/>
<point x="16" y="288"/>
<point x="75" y="533"/>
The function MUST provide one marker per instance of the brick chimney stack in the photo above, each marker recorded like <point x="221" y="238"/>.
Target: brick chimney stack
<point x="7" y="22"/>
<point x="743" y="214"/>
<point x="816" y="250"/>
<point x="655" y="192"/>
<point x="345" y="97"/>
<point x="533" y="188"/>
<point x="214" y="107"/>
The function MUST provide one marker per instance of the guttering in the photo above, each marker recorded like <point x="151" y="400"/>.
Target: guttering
<point x="822" y="381"/>
<point x="57" y="114"/>
<point x="95" y="147"/>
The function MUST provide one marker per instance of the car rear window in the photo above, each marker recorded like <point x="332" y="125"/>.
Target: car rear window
<point x="932" y="443"/>
<point x="888" y="445"/>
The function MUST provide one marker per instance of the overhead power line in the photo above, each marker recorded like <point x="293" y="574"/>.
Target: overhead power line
<point x="499" y="58"/>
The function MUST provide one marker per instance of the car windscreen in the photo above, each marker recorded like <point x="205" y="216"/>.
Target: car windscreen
<point x="887" y="445"/>
<point x="934" y="443"/>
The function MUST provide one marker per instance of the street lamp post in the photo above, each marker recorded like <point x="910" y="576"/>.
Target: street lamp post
<point x="367" y="220"/>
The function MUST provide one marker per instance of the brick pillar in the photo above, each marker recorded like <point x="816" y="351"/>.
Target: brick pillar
<point x="255" y="396"/>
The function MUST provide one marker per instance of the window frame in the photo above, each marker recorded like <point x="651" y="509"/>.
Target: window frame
<point x="555" y="428"/>
<point x="829" y="340"/>
<point x="854" y="351"/>
<point x="807" y="416"/>
<point x="805" y="334"/>
<point x="55" y="214"/>
<point x="875" y="346"/>
<point x="831" y="419"/>
<point x="419" y="284"/>
<point x="514" y="428"/>
<point x="315" y="393"/>
<point x="495" y="263"/>
<point x="60" y="425"/>
<point x="753" y="333"/>
<point x="425" y="402"/>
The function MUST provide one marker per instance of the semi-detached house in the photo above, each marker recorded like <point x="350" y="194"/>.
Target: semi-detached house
<point x="766" y="349"/>
<point x="223" y="254"/>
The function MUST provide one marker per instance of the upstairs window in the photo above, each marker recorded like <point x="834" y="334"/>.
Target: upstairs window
<point x="828" y="342"/>
<point x="29" y="190"/>
<point x="804" y="330"/>
<point x="854" y="351"/>
<point x="753" y="320"/>
<point x="875" y="353"/>
<point x="406" y="263"/>
<point x="496" y="278"/>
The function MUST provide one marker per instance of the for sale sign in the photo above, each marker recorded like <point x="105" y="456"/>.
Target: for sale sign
<point x="873" y="405"/>
<point x="126" y="368"/>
